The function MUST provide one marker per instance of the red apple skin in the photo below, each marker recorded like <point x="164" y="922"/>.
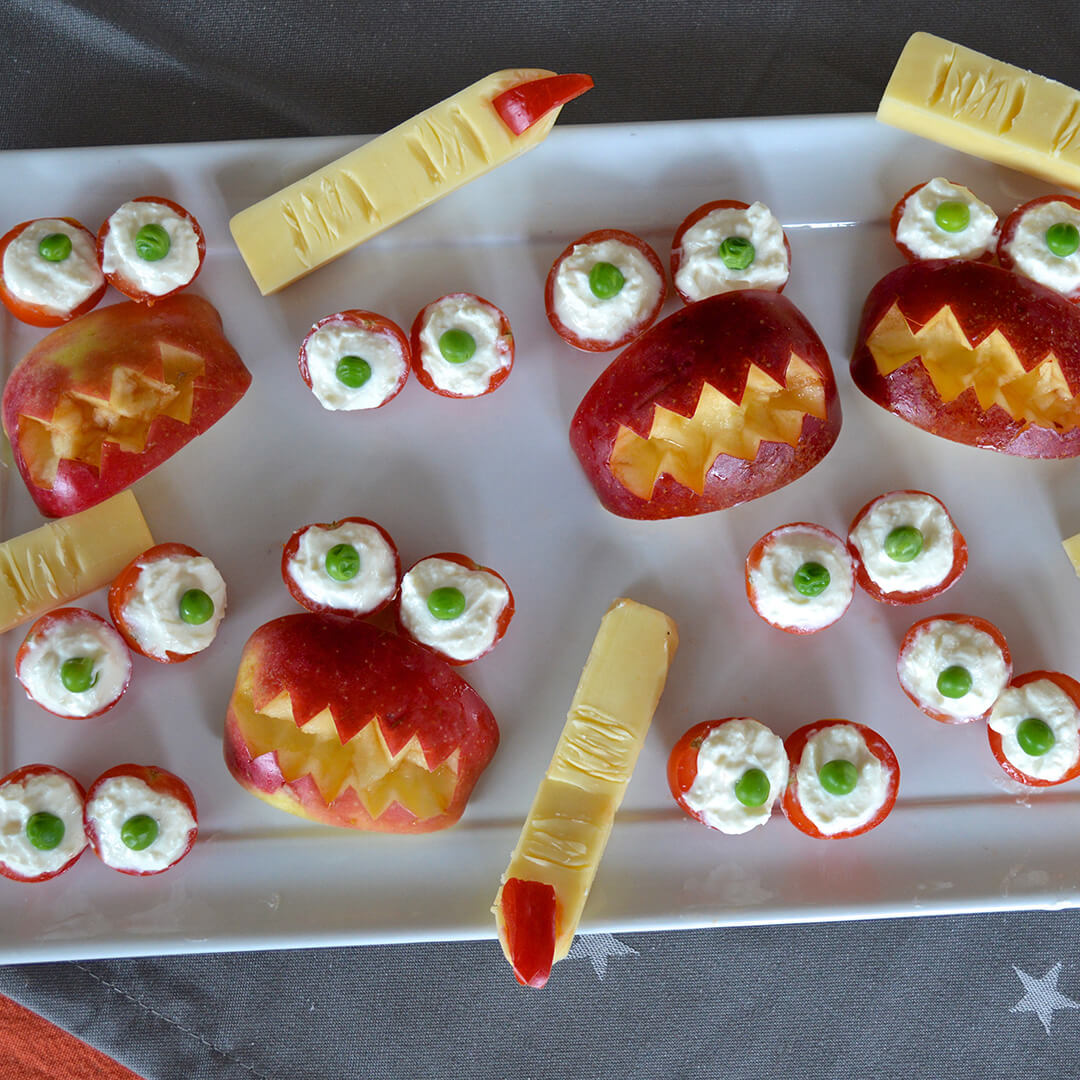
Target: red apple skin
<point x="1036" y="321"/>
<point x="364" y="675"/>
<point x="713" y="340"/>
<point x="81" y="355"/>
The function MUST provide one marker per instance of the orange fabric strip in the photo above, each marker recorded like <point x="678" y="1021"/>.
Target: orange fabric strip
<point x="32" y="1048"/>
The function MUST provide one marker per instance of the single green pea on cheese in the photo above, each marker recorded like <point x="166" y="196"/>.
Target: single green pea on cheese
<point x="320" y="217"/>
<point x="981" y="106"/>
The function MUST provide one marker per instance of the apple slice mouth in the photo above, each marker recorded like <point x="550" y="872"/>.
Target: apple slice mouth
<point x="686" y="447"/>
<point x="992" y="369"/>
<point x="82" y="421"/>
<point x="364" y="763"/>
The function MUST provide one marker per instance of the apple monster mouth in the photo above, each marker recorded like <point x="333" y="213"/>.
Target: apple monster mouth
<point x="992" y="368"/>
<point x="82" y="421"/>
<point x="686" y="447"/>
<point x="364" y="763"/>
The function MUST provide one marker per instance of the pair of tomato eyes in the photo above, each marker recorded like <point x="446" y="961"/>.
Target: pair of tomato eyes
<point x="342" y="564"/>
<point x="1053" y="222"/>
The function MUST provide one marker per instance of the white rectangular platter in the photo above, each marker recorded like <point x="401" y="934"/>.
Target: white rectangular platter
<point x="495" y="478"/>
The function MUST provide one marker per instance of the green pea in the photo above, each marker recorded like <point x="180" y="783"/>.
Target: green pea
<point x="457" y="346"/>
<point x="1035" y="736"/>
<point x="838" y="777"/>
<point x="77" y="674"/>
<point x="952" y="216"/>
<point x="44" y="830"/>
<point x="152" y="243"/>
<point x="196" y="607"/>
<point x="353" y="371"/>
<point x="811" y="579"/>
<point x="752" y="788"/>
<point x="1062" y="239"/>
<point x="56" y="247"/>
<point x="139" y="832"/>
<point x="605" y="280"/>
<point x="446" y="603"/>
<point x="343" y="562"/>
<point x="954" y="681"/>
<point x="736" y="252"/>
<point x="904" y="543"/>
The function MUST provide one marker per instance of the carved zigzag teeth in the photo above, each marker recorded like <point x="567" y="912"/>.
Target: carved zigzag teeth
<point x="992" y="369"/>
<point x="685" y="447"/>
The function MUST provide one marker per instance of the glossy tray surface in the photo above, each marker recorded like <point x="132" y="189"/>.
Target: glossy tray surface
<point x="495" y="477"/>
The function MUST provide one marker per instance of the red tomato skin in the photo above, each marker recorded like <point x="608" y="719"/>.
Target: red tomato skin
<point x="129" y="288"/>
<point x="593" y="344"/>
<point x="46" y="623"/>
<point x="971" y="620"/>
<point x="690" y="221"/>
<point x="682" y="762"/>
<point x="34" y="314"/>
<point x="868" y="585"/>
<point x="522" y="105"/>
<point x="158" y="780"/>
<point x="795" y="744"/>
<point x="1071" y="687"/>
<point x="753" y="561"/>
<point x="362" y="320"/>
<point x="911" y="256"/>
<point x="1012" y="223"/>
<point x="17" y="776"/>
<point x="505" y="346"/>
<point x="505" y="615"/>
<point x="127" y="581"/>
<point x="298" y="594"/>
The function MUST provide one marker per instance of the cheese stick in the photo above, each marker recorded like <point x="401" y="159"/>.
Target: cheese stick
<point x="544" y="889"/>
<point x="984" y="107"/>
<point x="1072" y="550"/>
<point x="69" y="557"/>
<point x="320" y="217"/>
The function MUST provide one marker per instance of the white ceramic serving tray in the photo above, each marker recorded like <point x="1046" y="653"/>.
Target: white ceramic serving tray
<point x="495" y="477"/>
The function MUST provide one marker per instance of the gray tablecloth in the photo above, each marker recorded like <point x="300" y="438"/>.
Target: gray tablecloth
<point x="974" y="996"/>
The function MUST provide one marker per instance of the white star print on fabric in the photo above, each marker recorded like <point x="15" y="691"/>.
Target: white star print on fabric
<point x="597" y="949"/>
<point x="1042" y="997"/>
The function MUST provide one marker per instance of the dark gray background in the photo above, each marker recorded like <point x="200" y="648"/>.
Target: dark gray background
<point x="905" y="998"/>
